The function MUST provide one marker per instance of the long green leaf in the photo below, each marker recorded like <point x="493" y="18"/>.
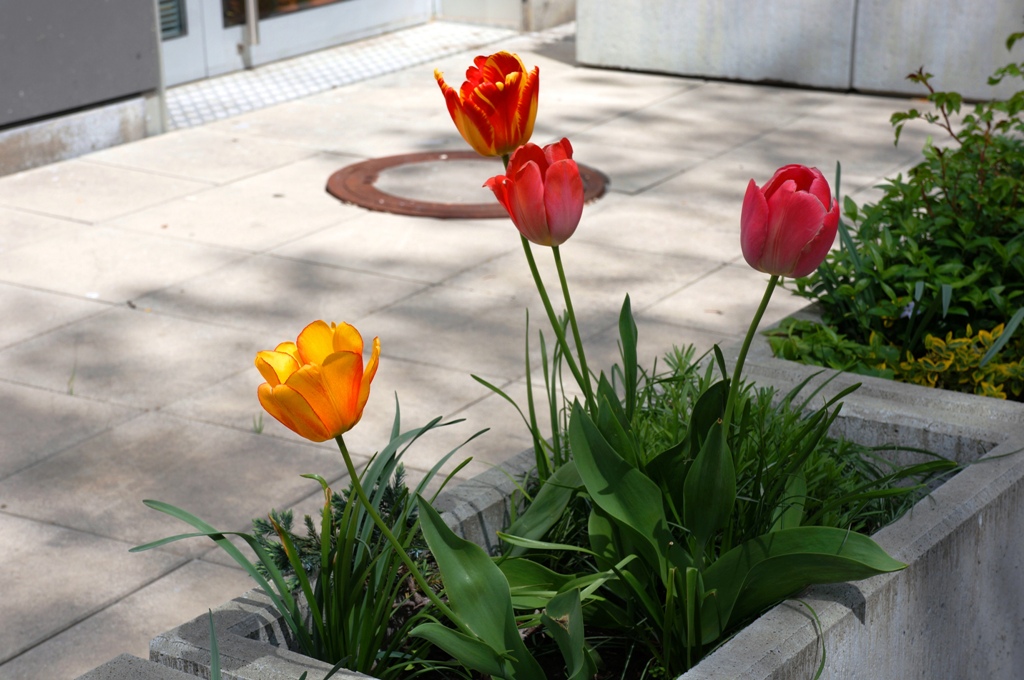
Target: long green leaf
<point x="627" y="346"/>
<point x="769" y="568"/>
<point x="470" y="652"/>
<point x="279" y="595"/>
<point x="708" y="410"/>
<point x="709" y="491"/>
<point x="478" y="593"/>
<point x="1001" y="341"/>
<point x="624" y="493"/>
<point x="547" y="507"/>
<point x="563" y="620"/>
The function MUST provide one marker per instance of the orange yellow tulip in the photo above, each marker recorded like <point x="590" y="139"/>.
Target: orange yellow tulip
<point x="495" y="108"/>
<point x="317" y="386"/>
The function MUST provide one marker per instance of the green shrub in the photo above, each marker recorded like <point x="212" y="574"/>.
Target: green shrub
<point x="943" y="248"/>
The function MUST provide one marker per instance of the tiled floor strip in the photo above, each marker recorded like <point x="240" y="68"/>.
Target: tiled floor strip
<point x="212" y="99"/>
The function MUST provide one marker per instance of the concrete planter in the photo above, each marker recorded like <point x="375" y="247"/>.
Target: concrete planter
<point x="957" y="611"/>
<point x="864" y="45"/>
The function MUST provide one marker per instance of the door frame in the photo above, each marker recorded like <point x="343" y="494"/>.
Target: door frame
<point x="209" y="49"/>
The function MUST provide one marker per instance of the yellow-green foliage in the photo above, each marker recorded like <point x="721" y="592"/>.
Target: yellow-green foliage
<point x="955" y="364"/>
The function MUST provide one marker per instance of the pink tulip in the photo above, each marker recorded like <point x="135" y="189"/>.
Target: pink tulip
<point x="542" y="192"/>
<point x="788" y="225"/>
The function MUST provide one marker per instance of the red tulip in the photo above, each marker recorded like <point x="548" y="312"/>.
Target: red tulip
<point x="496" y="106"/>
<point x="542" y="191"/>
<point x="788" y="225"/>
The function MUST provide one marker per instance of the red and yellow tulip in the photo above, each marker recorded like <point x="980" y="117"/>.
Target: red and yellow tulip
<point x="317" y="386"/>
<point x="495" y="108"/>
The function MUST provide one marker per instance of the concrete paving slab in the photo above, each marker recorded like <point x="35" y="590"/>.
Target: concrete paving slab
<point x="39" y="423"/>
<point x="253" y="214"/>
<point x="183" y="594"/>
<point x="108" y="264"/>
<point x="629" y="169"/>
<point x="724" y="302"/>
<point x="202" y="154"/>
<point x="412" y="248"/>
<point x="599" y="278"/>
<point x="20" y="227"/>
<point x="28" y="312"/>
<point x="444" y="326"/>
<point x="328" y="124"/>
<point x="129" y="357"/>
<point x="55" y="577"/>
<point x="658" y="225"/>
<point x="708" y="120"/>
<point x="89" y="192"/>
<point x="274" y="298"/>
<point x="221" y="475"/>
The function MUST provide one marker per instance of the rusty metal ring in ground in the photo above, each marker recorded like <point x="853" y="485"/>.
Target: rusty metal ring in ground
<point x="355" y="184"/>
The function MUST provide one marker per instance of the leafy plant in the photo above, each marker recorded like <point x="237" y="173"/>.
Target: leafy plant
<point x="943" y="247"/>
<point x="693" y="527"/>
<point x="359" y="600"/>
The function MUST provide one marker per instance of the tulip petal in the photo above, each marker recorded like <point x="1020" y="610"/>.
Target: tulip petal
<point x="753" y="225"/>
<point x="800" y="175"/>
<point x="276" y="367"/>
<point x="819" y="189"/>
<point x="476" y="126"/>
<point x="527" y="153"/>
<point x="526" y="205"/>
<point x="368" y="373"/>
<point x="502" y="188"/>
<point x="817" y="248"/>
<point x="559" y="151"/>
<point x="292" y="411"/>
<point x="347" y="339"/>
<point x="315" y="342"/>
<point x="308" y="381"/>
<point x="794" y="220"/>
<point x="563" y="200"/>
<point x="526" y="111"/>
<point x="342" y="376"/>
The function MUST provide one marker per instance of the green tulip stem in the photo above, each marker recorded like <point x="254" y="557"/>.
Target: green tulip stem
<point x="582" y="378"/>
<point x="734" y="386"/>
<point x="585" y="386"/>
<point x="555" y="325"/>
<point x="399" y="548"/>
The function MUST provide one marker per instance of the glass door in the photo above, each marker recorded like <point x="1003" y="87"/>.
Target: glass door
<point x="205" y="38"/>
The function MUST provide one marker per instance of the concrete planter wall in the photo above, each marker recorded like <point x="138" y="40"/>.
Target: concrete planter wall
<point x="957" y="611"/>
<point x="865" y="45"/>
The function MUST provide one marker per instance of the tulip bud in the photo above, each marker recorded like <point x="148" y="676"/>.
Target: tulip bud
<point x="788" y="226"/>
<point x="542" y="191"/>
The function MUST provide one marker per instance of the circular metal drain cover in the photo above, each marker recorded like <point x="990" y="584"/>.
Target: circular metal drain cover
<point x="356" y="184"/>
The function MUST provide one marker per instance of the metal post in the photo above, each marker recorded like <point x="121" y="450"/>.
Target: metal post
<point x="252" y="31"/>
<point x="156" y="102"/>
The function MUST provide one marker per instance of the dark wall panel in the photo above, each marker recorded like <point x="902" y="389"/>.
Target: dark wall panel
<point x="58" y="55"/>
